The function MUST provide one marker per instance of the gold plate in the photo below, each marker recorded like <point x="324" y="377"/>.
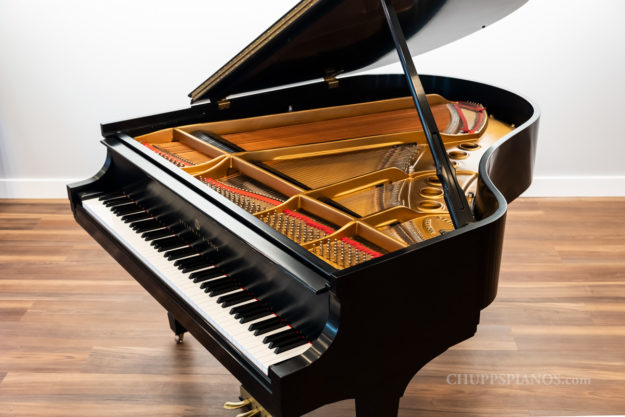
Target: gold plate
<point x="349" y="195"/>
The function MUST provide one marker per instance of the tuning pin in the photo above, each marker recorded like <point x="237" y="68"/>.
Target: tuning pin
<point x="342" y="254"/>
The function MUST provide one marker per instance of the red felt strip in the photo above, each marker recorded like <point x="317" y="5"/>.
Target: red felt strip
<point x="310" y="222"/>
<point x="166" y="155"/>
<point x="479" y="109"/>
<point x="361" y="247"/>
<point x="245" y="193"/>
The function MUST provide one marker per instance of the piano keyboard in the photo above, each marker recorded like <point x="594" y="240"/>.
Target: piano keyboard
<point x="247" y="323"/>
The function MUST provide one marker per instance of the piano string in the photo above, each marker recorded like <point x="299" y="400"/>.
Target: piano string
<point x="335" y="189"/>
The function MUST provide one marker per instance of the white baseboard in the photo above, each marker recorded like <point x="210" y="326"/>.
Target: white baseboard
<point x="34" y="187"/>
<point x="562" y="186"/>
<point x="577" y="186"/>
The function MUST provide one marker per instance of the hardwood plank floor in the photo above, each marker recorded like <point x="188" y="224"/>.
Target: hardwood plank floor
<point x="79" y="337"/>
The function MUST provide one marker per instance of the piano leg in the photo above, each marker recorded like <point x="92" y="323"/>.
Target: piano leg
<point x="377" y="406"/>
<point x="178" y="329"/>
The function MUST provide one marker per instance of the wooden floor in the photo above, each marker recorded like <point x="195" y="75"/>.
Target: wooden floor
<point x="79" y="337"/>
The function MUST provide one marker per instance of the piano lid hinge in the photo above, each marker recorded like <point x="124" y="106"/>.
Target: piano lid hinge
<point x="330" y="78"/>
<point x="223" y="104"/>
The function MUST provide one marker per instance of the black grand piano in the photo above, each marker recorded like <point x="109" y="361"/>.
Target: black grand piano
<point x="324" y="235"/>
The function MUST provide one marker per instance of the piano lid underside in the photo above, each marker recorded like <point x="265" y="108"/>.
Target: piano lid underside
<point x="347" y="183"/>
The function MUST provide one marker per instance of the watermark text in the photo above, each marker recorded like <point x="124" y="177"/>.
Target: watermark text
<point x="515" y="379"/>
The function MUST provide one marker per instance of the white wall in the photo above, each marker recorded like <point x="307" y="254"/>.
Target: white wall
<point x="68" y="65"/>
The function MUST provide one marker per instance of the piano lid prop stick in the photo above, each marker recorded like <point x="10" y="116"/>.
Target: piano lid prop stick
<point x="457" y="203"/>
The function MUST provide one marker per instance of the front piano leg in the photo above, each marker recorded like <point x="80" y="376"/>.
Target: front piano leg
<point x="377" y="406"/>
<point x="178" y="329"/>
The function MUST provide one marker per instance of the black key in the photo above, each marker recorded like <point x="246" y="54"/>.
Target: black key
<point x="126" y="209"/>
<point x="168" y="243"/>
<point x="156" y="234"/>
<point x="248" y="308"/>
<point x="193" y="264"/>
<point x="265" y="326"/>
<point x="142" y="215"/>
<point x="292" y="345"/>
<point x="117" y="201"/>
<point x="256" y="314"/>
<point x="197" y="266"/>
<point x="209" y="254"/>
<point x="184" y="261"/>
<point x="257" y="311"/>
<point x="165" y="241"/>
<point x="198" y="280"/>
<point x="145" y="225"/>
<point x="211" y="273"/>
<point x="222" y="290"/>
<point x="285" y="341"/>
<point x="111" y="196"/>
<point x="187" y="262"/>
<point x="276" y="337"/>
<point x="217" y="283"/>
<point x="207" y="275"/>
<point x="227" y="284"/>
<point x="234" y="299"/>
<point x="186" y="235"/>
<point x="174" y="254"/>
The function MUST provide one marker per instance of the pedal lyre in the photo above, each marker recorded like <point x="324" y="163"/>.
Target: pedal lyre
<point x="248" y="403"/>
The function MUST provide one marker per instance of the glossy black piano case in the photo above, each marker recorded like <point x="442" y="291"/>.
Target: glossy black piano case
<point x="375" y="324"/>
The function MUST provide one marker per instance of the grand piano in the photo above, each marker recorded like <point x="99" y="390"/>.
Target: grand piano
<point x="323" y="234"/>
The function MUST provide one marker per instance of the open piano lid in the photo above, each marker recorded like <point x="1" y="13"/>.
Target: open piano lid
<point x="320" y="38"/>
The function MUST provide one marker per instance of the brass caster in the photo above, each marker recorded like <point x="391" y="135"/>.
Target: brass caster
<point x="179" y="338"/>
<point x="231" y="405"/>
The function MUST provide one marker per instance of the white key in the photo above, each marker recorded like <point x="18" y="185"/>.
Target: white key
<point x="250" y="346"/>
